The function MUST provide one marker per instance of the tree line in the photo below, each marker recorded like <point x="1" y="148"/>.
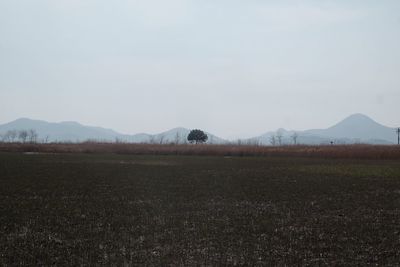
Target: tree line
<point x="23" y="136"/>
<point x="277" y="138"/>
<point x="31" y="136"/>
<point x="195" y="136"/>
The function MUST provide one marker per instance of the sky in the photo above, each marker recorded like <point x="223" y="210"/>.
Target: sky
<point x="231" y="67"/>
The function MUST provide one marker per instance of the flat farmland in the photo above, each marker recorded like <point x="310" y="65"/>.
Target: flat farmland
<point x="110" y="209"/>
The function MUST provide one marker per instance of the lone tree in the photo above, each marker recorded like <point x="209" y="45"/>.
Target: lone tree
<point x="197" y="136"/>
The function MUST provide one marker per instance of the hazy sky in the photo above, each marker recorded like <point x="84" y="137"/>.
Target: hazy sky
<point x="236" y="68"/>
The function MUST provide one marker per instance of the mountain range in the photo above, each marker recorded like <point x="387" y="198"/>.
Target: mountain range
<point x="70" y="131"/>
<point x="357" y="128"/>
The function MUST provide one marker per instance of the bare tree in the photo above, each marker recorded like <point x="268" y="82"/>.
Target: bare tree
<point x="398" y="136"/>
<point x="279" y="136"/>
<point x="252" y="142"/>
<point x="13" y="135"/>
<point x="6" y="137"/>
<point x="119" y="140"/>
<point x="177" y="138"/>
<point x="161" y="140"/>
<point x="272" y="140"/>
<point x="23" y="135"/>
<point x="184" y="139"/>
<point x="152" y="139"/>
<point x="32" y="136"/>
<point x="211" y="139"/>
<point x="10" y="136"/>
<point x="294" y="137"/>
<point x="256" y="142"/>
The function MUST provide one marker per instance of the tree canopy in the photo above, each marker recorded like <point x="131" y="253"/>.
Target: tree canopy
<point x="197" y="136"/>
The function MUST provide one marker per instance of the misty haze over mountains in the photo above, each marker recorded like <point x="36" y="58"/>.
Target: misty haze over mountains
<point x="357" y="128"/>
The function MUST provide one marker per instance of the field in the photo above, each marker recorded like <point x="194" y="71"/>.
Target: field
<point x="115" y="209"/>
<point x="360" y="151"/>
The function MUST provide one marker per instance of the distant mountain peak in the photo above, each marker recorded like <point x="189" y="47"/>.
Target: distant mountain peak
<point x="355" y="128"/>
<point x="359" y="117"/>
<point x="357" y="120"/>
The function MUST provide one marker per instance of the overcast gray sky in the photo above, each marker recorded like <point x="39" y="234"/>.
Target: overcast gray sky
<point x="232" y="67"/>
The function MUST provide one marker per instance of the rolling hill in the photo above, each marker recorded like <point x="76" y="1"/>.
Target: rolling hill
<point x="75" y="132"/>
<point x="357" y="128"/>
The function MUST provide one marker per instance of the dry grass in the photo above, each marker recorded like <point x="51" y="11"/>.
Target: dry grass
<point x="336" y="151"/>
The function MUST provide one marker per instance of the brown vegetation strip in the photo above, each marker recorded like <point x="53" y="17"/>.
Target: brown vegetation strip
<point x="342" y="151"/>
